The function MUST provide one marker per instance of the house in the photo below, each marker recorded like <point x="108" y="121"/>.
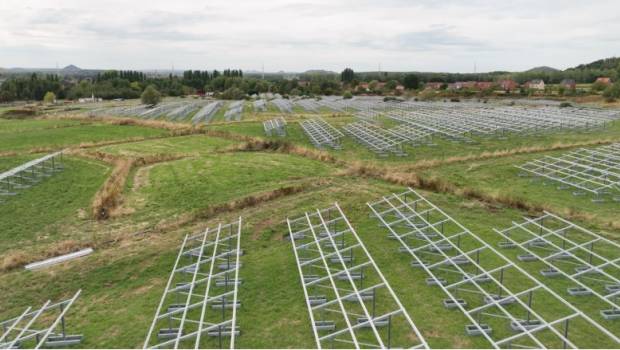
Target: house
<point x="303" y="83"/>
<point x="603" y="80"/>
<point x="380" y="85"/>
<point x="465" y="85"/>
<point x="536" y="84"/>
<point x="91" y="99"/>
<point x="568" y="84"/>
<point x="433" y="85"/>
<point x="508" y="85"/>
<point x="400" y="88"/>
<point x="484" y="85"/>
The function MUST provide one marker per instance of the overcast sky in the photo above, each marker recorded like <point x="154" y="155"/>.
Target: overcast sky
<point x="421" y="35"/>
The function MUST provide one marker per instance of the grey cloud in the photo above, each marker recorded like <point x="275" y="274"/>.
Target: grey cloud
<point x="150" y="33"/>
<point x="437" y="37"/>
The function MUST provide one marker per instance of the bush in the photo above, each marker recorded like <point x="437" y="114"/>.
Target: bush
<point x="598" y="86"/>
<point x="565" y="104"/>
<point x="19" y="113"/>
<point x="561" y="90"/>
<point x="411" y="82"/>
<point x="392" y="98"/>
<point x="49" y="97"/>
<point x="347" y="95"/>
<point x="612" y="92"/>
<point x="427" y="95"/>
<point x="150" y="96"/>
<point x="233" y="93"/>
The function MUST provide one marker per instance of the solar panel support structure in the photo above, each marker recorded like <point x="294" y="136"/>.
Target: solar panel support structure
<point x="199" y="305"/>
<point x="348" y="299"/>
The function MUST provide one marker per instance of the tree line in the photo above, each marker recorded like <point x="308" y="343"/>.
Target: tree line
<point x="232" y="83"/>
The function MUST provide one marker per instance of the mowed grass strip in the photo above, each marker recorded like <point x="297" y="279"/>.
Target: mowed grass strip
<point x="38" y="134"/>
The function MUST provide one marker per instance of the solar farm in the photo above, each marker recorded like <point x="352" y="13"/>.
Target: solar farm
<point x="290" y="222"/>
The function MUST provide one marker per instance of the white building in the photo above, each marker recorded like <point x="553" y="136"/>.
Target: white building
<point x="91" y="99"/>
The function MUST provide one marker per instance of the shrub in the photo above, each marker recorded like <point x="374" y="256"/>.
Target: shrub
<point x="347" y="95"/>
<point x="392" y="98"/>
<point x="233" y="93"/>
<point x="565" y="104"/>
<point x="49" y="97"/>
<point x="426" y="95"/>
<point x="598" y="86"/>
<point x="612" y="92"/>
<point x="150" y="96"/>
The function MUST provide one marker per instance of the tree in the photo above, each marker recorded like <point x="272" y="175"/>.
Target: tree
<point x="150" y="96"/>
<point x="233" y="93"/>
<point x="50" y="97"/>
<point x="391" y="85"/>
<point x="598" y="86"/>
<point x="561" y="90"/>
<point x="411" y="82"/>
<point x="347" y="75"/>
<point x="612" y="92"/>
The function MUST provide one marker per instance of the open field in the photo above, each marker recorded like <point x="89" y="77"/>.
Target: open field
<point x="20" y="135"/>
<point x="156" y="185"/>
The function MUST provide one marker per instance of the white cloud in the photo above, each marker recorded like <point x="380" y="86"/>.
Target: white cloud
<point x="447" y="35"/>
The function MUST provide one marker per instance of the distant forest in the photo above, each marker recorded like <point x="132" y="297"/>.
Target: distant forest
<point x="234" y="84"/>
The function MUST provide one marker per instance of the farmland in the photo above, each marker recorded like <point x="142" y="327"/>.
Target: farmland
<point x="136" y="180"/>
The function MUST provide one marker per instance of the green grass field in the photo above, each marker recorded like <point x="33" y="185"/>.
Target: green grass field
<point x="17" y="135"/>
<point x="135" y="249"/>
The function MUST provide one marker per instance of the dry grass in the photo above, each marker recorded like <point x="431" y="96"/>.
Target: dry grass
<point x="435" y="184"/>
<point x="29" y="151"/>
<point x="259" y="145"/>
<point x="15" y="259"/>
<point x="109" y="196"/>
<point x="175" y="128"/>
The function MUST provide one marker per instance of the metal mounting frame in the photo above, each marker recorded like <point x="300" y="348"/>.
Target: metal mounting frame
<point x="341" y="281"/>
<point x="568" y="250"/>
<point x="205" y="274"/>
<point x="27" y="174"/>
<point x="321" y="133"/>
<point x="443" y="247"/>
<point x="40" y="326"/>
<point x="595" y="171"/>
